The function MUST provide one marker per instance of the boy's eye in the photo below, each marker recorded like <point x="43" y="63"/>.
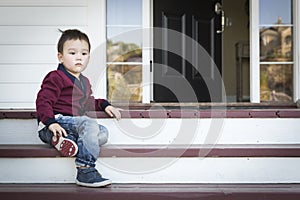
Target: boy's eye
<point x="72" y="53"/>
<point x="84" y="54"/>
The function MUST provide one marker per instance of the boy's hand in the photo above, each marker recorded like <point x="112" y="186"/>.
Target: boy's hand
<point x="113" y="112"/>
<point x="57" y="130"/>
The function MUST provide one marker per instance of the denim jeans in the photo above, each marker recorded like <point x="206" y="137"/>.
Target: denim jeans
<point x="86" y="132"/>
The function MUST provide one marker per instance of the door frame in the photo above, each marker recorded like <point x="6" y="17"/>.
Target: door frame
<point x="147" y="52"/>
<point x="296" y="19"/>
<point x="254" y="50"/>
<point x="150" y="19"/>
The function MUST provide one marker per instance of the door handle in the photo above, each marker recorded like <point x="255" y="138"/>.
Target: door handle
<point x="219" y="11"/>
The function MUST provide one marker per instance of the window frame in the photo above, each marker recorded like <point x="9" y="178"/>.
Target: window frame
<point x="146" y="51"/>
<point x="255" y="51"/>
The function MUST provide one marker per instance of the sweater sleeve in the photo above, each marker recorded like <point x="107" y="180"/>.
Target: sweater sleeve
<point x="47" y="97"/>
<point x="95" y="104"/>
<point x="101" y="104"/>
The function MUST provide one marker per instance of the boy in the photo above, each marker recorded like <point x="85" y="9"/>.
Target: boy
<point x="61" y="103"/>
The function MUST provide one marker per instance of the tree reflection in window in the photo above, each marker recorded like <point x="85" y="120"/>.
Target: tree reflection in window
<point x="276" y="50"/>
<point x="124" y="50"/>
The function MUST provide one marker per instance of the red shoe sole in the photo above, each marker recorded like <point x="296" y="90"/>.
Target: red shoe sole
<point x="66" y="147"/>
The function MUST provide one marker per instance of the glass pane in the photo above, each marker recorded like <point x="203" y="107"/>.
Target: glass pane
<point x="124" y="30"/>
<point x="275" y="12"/>
<point x="124" y="45"/>
<point x="276" y="82"/>
<point x="124" y="83"/>
<point x="276" y="44"/>
<point x="124" y="12"/>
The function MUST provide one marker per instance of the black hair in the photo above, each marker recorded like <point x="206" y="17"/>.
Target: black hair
<point x="71" y="34"/>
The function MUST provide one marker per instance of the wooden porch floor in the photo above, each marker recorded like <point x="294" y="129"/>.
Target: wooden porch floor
<point x="152" y="192"/>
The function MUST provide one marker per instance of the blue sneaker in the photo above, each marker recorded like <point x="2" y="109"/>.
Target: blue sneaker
<point x="90" y="177"/>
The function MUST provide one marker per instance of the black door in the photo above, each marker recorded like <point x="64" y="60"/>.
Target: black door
<point x="187" y="51"/>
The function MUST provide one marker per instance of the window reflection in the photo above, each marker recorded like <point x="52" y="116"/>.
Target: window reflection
<point x="276" y="44"/>
<point x="276" y="50"/>
<point x="276" y="82"/>
<point x="123" y="31"/>
<point x="124" y="50"/>
<point x="124" y="83"/>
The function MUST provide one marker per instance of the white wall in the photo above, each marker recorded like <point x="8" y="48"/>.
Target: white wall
<point x="29" y="33"/>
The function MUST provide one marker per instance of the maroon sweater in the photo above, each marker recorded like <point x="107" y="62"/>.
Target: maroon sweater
<point x="62" y="93"/>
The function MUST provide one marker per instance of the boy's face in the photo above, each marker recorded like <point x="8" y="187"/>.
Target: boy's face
<point x="75" y="56"/>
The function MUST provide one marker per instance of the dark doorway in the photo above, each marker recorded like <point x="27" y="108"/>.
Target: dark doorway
<point x="182" y="73"/>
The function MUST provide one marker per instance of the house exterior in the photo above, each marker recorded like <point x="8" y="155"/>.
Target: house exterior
<point x="179" y="65"/>
<point x="29" y="32"/>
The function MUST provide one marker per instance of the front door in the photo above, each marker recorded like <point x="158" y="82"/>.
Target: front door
<point x="187" y="51"/>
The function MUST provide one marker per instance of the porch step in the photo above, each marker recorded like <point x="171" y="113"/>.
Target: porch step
<point x="164" y="131"/>
<point x="166" y="147"/>
<point x="158" y="164"/>
<point x="127" y="151"/>
<point x="151" y="191"/>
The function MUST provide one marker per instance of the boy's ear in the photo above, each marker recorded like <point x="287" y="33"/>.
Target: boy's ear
<point x="60" y="57"/>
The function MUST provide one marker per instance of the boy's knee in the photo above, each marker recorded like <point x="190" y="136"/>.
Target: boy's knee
<point x="103" y="135"/>
<point x="94" y="130"/>
<point x="88" y="120"/>
<point x="87" y="123"/>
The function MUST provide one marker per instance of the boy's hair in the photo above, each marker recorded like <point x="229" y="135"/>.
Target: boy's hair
<point x="71" y="34"/>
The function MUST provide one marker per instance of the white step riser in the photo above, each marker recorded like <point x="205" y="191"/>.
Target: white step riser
<point x="156" y="170"/>
<point x="174" y="131"/>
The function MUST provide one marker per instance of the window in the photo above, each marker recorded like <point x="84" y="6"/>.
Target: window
<point x="276" y="50"/>
<point x="124" y="50"/>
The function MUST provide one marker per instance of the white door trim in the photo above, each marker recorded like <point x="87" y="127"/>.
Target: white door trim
<point x="296" y="19"/>
<point x="147" y="52"/>
<point x="254" y="52"/>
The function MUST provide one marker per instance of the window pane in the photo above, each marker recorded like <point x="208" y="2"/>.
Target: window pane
<point x="275" y="11"/>
<point x="124" y="45"/>
<point x="276" y="82"/>
<point x="124" y="30"/>
<point x="124" y="12"/>
<point x="124" y="83"/>
<point x="276" y="44"/>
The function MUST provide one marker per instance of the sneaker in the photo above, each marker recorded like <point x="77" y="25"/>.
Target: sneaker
<point x="90" y="177"/>
<point x="65" y="146"/>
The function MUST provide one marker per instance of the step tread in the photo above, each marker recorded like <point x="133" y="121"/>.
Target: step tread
<point x="175" y="113"/>
<point x="263" y="150"/>
<point x="150" y="191"/>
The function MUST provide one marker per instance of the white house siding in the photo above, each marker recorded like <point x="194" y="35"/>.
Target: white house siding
<point x="28" y="38"/>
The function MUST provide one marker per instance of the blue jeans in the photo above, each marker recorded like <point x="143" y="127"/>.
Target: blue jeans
<point x="86" y="132"/>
